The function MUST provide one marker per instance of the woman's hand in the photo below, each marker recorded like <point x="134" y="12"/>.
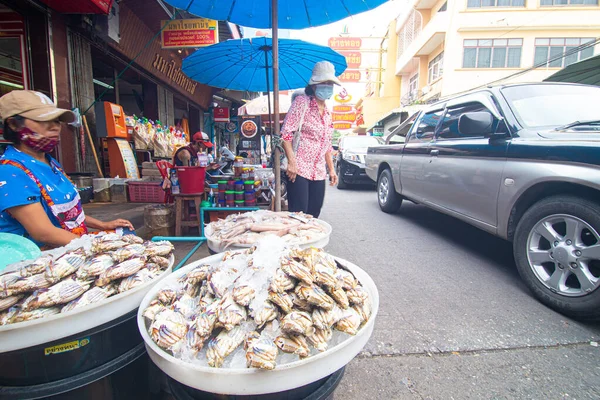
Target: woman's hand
<point x="117" y="223"/>
<point x="292" y="169"/>
<point x="333" y="178"/>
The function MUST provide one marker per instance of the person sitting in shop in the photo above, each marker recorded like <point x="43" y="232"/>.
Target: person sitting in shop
<point x="37" y="199"/>
<point x="187" y="156"/>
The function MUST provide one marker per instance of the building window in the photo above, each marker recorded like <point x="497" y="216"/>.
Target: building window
<point x="498" y="3"/>
<point x="413" y="85"/>
<point x="492" y="53"/>
<point x="560" y="52"/>
<point x="558" y="3"/>
<point x="410" y="31"/>
<point x="436" y="68"/>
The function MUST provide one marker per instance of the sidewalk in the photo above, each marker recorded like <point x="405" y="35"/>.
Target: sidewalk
<point x="134" y="212"/>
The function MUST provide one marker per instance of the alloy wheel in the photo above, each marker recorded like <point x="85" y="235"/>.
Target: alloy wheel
<point x="564" y="253"/>
<point x="384" y="189"/>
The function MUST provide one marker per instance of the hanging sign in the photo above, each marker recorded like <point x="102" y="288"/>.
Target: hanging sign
<point x="350" y="75"/>
<point x="343" y="96"/>
<point x="221" y="114"/>
<point x="198" y="32"/>
<point x="249" y="126"/>
<point x="343" y="117"/>
<point x="342" y="125"/>
<point x="353" y="58"/>
<point x="345" y="43"/>
<point x="342" y="109"/>
<point x="231" y="127"/>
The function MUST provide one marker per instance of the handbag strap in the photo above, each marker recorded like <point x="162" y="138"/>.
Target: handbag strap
<point x="297" y="134"/>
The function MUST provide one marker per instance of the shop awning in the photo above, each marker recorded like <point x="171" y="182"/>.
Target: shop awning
<point x="80" y="6"/>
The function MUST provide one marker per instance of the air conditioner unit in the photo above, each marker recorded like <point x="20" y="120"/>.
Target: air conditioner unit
<point x="109" y="24"/>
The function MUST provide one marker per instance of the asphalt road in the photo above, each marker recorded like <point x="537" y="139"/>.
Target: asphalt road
<point x="455" y="321"/>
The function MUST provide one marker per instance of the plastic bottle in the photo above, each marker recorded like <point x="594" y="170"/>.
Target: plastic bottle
<point x="211" y="198"/>
<point x="174" y="182"/>
<point x="202" y="160"/>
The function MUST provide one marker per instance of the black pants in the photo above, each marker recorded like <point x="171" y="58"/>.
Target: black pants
<point x="305" y="195"/>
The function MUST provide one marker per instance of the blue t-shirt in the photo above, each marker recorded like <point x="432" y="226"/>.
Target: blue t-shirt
<point x="18" y="189"/>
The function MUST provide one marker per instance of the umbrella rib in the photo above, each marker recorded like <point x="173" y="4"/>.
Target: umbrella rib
<point x="307" y="13"/>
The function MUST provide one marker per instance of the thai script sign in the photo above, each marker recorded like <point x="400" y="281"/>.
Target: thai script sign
<point x="345" y="43"/>
<point x="197" y="32"/>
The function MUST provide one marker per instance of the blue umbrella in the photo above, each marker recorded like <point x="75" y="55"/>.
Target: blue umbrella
<point x="293" y="14"/>
<point x="247" y="64"/>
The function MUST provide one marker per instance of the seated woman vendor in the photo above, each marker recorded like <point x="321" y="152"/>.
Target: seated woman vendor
<point x="37" y="199"/>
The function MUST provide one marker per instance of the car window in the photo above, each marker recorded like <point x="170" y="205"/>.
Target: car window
<point x="426" y="126"/>
<point x="449" y="127"/>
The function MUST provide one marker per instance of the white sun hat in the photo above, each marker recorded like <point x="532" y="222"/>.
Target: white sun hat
<point x="323" y="71"/>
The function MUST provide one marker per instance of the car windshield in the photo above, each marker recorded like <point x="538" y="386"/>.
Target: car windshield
<point x="547" y="106"/>
<point x="360" y="141"/>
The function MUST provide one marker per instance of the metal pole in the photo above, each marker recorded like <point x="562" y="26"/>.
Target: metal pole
<point x="268" y="90"/>
<point x="275" y="27"/>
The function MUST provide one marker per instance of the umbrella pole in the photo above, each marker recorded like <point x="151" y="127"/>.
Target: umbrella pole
<point x="268" y="92"/>
<point x="275" y="27"/>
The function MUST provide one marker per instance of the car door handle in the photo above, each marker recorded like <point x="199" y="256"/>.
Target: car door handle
<point x="434" y="153"/>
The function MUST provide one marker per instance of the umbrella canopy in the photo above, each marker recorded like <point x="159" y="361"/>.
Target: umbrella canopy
<point x="242" y="64"/>
<point x="260" y="105"/>
<point x="586" y="72"/>
<point x="293" y="14"/>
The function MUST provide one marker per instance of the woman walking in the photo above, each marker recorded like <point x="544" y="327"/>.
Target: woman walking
<point x="309" y="157"/>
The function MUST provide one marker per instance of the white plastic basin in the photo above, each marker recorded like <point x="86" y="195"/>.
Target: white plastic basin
<point x="31" y="333"/>
<point x="218" y="247"/>
<point x="250" y="381"/>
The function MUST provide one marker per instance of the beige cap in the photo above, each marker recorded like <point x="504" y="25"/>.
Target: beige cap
<point x="323" y="71"/>
<point x="32" y="105"/>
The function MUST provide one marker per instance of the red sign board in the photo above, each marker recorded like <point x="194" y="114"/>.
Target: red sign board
<point x="342" y="125"/>
<point x="350" y="75"/>
<point x="189" y="33"/>
<point x="221" y="114"/>
<point x="353" y="58"/>
<point x="345" y="43"/>
<point x="342" y="109"/>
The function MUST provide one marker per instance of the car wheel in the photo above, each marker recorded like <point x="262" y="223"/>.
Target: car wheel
<point x="557" y="251"/>
<point x="341" y="184"/>
<point x="389" y="200"/>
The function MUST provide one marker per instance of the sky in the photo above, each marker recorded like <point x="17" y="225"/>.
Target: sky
<point x="370" y="26"/>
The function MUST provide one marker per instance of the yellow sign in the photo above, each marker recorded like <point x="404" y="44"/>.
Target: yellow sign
<point x="196" y="32"/>
<point x="63" y="348"/>
<point x="342" y="125"/>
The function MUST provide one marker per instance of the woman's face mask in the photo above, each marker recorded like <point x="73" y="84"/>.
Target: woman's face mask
<point x="324" y="91"/>
<point x="36" y="141"/>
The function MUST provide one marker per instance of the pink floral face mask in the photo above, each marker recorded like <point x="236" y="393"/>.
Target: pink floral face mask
<point x="36" y="141"/>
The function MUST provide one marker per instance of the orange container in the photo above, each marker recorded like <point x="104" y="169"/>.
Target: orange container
<point x="191" y="179"/>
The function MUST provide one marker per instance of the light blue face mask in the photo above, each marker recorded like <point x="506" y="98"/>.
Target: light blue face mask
<point x="324" y="91"/>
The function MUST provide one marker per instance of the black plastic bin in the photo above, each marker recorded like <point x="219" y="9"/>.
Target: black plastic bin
<point x="39" y="371"/>
<point x="320" y="390"/>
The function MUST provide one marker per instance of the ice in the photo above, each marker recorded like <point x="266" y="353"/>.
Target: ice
<point x="286" y="358"/>
<point x="201" y="360"/>
<point x="237" y="359"/>
<point x="337" y="338"/>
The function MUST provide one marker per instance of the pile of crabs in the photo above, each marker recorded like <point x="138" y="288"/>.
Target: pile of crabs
<point x="111" y="264"/>
<point x="259" y="308"/>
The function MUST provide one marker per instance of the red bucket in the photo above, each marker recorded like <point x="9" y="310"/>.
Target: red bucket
<point x="191" y="179"/>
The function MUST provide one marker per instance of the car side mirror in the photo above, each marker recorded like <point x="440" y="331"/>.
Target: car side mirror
<point x="479" y="123"/>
